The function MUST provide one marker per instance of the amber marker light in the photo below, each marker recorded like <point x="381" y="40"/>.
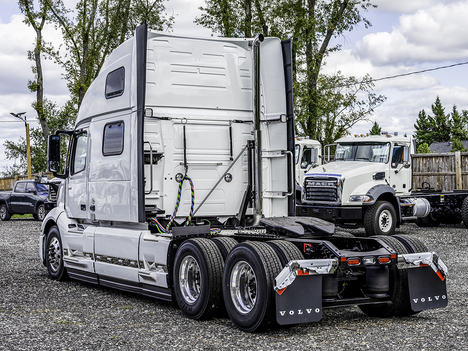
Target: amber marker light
<point x="353" y="261"/>
<point x="384" y="260"/>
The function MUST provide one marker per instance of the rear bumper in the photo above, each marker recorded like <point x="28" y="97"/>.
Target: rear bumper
<point x="331" y="213"/>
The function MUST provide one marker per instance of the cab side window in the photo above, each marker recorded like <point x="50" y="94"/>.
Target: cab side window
<point x="115" y="83"/>
<point x="20" y="187"/>
<point x="30" y="188"/>
<point x="80" y="150"/>
<point x="397" y="157"/>
<point x="113" y="140"/>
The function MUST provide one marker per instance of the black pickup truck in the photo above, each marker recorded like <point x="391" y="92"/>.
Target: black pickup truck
<point x="27" y="197"/>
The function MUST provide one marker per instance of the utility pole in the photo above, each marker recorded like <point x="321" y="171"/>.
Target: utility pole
<point x="28" y="149"/>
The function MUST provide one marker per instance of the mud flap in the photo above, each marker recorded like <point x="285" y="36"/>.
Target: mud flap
<point x="300" y="302"/>
<point x="426" y="289"/>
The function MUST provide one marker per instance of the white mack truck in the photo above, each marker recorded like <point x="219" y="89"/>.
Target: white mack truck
<point x="371" y="181"/>
<point x="180" y="185"/>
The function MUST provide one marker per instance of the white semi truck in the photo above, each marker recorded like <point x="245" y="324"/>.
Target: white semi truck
<point x="180" y="185"/>
<point x="371" y="183"/>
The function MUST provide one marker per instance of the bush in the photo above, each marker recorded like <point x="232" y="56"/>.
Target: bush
<point x="457" y="145"/>
<point x="424" y="149"/>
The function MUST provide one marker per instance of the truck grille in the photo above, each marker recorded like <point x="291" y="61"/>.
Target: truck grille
<point x="322" y="189"/>
<point x="52" y="194"/>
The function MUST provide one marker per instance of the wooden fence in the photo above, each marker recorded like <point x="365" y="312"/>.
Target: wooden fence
<point x="443" y="172"/>
<point x="8" y="182"/>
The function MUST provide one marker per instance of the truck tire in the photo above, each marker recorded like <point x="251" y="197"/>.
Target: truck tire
<point x="430" y="221"/>
<point x="225" y="245"/>
<point x="464" y="211"/>
<point x="286" y="251"/>
<point x="344" y="235"/>
<point x="451" y="219"/>
<point x="419" y="222"/>
<point x="198" y="268"/>
<point x="40" y="213"/>
<point x="399" y="291"/>
<point x="411" y="244"/>
<point x="4" y="214"/>
<point x="380" y="219"/>
<point x="54" y="255"/>
<point x="415" y="245"/>
<point x="248" y="279"/>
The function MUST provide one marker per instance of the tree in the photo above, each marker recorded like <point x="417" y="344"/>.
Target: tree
<point x="11" y="171"/>
<point x="441" y="127"/>
<point x="343" y="103"/>
<point x="376" y="129"/>
<point x="237" y="18"/>
<point x="423" y="149"/>
<point x="423" y="128"/>
<point x="37" y="20"/>
<point x="57" y="118"/>
<point x="457" y="145"/>
<point x="457" y="128"/>
<point x="319" y="21"/>
<point x="94" y="29"/>
<point x="311" y="24"/>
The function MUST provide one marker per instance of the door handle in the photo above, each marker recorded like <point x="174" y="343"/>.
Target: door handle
<point x="83" y="207"/>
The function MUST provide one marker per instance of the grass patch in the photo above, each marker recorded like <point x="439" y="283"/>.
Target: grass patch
<point x="22" y="216"/>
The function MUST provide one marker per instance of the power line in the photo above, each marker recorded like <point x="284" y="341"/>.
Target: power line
<point x="371" y="80"/>
<point x="31" y="121"/>
<point x="422" y="71"/>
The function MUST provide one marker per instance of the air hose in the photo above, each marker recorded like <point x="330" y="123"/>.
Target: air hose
<point x="189" y="218"/>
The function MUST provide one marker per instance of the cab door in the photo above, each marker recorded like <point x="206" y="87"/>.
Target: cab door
<point x="400" y="172"/>
<point x="76" y="184"/>
<point x="17" y="197"/>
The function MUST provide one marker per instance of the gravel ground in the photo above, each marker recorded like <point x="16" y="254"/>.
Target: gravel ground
<point x="37" y="313"/>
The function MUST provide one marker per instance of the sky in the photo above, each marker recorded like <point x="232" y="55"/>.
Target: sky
<point x="405" y="36"/>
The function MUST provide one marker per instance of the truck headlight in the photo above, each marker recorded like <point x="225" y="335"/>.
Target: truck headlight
<point x="360" y="198"/>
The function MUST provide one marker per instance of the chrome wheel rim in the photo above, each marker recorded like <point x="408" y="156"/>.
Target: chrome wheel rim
<point x="385" y="221"/>
<point x="3" y="212"/>
<point x="243" y="287"/>
<point x="54" y="254"/>
<point x="190" y="279"/>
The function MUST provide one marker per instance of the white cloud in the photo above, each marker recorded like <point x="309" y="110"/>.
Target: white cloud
<point x="406" y="6"/>
<point x="184" y="12"/>
<point x="400" y="111"/>
<point x="432" y="34"/>
<point x="353" y="65"/>
<point x="16" y="38"/>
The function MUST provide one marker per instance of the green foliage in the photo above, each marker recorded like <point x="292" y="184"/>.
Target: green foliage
<point x="325" y="106"/>
<point x="95" y="28"/>
<point x="376" y="129"/>
<point x="441" y="127"/>
<point x="423" y="129"/>
<point x="457" y="127"/>
<point x="90" y="31"/>
<point x="14" y="170"/>
<point x="58" y="119"/>
<point x="457" y="145"/>
<point x="342" y="103"/>
<point x="423" y="149"/>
